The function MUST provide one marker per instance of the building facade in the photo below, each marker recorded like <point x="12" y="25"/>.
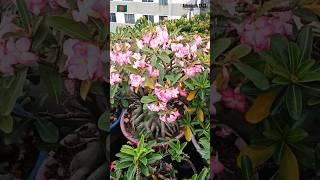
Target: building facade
<point x="153" y="10"/>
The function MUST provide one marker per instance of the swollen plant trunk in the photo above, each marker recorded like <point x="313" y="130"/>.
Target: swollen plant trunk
<point x="138" y="174"/>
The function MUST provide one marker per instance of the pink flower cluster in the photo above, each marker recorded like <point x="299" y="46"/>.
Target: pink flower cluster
<point x="85" y="60"/>
<point x="7" y="25"/>
<point x="94" y="8"/>
<point x="166" y="94"/>
<point x="14" y="52"/>
<point x="115" y="78"/>
<point x="154" y="40"/>
<point x="215" y="97"/>
<point x="172" y="116"/>
<point x="257" y="31"/>
<point x="121" y="54"/>
<point x="193" y="70"/>
<point x="233" y="100"/>
<point x="136" y="80"/>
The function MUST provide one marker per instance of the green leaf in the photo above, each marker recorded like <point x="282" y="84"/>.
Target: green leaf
<point x="123" y="164"/>
<point x="131" y="171"/>
<point x="40" y="36"/>
<point x="6" y="124"/>
<point x="276" y="67"/>
<point x="219" y="46"/>
<point x="203" y="174"/>
<point x="9" y="96"/>
<point x="127" y="150"/>
<point x="305" y="67"/>
<point x="296" y="135"/>
<point x="279" y="150"/>
<point x="103" y="122"/>
<point x="310" y="77"/>
<point x="165" y="58"/>
<point x="154" y="158"/>
<point x="24" y="13"/>
<point x="279" y="47"/>
<point x="272" y="134"/>
<point x="305" y="41"/>
<point x="69" y="27"/>
<point x="294" y="56"/>
<point x="145" y="170"/>
<point x="47" y="130"/>
<point x="17" y="132"/>
<point x="239" y="52"/>
<point x="52" y="80"/>
<point x="246" y="168"/>
<point x="148" y="99"/>
<point x="294" y="101"/>
<point x="255" y="76"/>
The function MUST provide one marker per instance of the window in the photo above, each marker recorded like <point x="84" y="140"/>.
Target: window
<point x="149" y="17"/>
<point x="163" y="2"/>
<point x="113" y="17"/>
<point x="161" y="18"/>
<point x="129" y="18"/>
<point x="147" y="0"/>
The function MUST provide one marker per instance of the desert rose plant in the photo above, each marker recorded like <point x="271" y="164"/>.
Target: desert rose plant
<point x="154" y="70"/>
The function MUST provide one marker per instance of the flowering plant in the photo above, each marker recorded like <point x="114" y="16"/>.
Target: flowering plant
<point x="156" y="69"/>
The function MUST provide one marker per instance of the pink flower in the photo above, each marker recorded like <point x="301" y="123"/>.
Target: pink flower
<point x="156" y="107"/>
<point x="193" y="48"/>
<point x="198" y="40"/>
<point x="152" y="72"/>
<point x="115" y="78"/>
<point x="154" y="43"/>
<point x="139" y="43"/>
<point x="93" y="8"/>
<point x="166" y="94"/>
<point x="54" y="4"/>
<point x="69" y="84"/>
<point x="136" y="80"/>
<point x="182" y="52"/>
<point x="6" y="60"/>
<point x="162" y="35"/>
<point x="171" y="117"/>
<point x="7" y="25"/>
<point x="176" y="47"/>
<point x="214" y="98"/>
<point x="36" y="6"/>
<point x="123" y="58"/>
<point x="257" y="32"/>
<point x="15" y="52"/>
<point x="146" y="38"/>
<point x="233" y="100"/>
<point x="193" y="70"/>
<point x="20" y="49"/>
<point x="137" y="56"/>
<point x="216" y="166"/>
<point x="182" y="92"/>
<point x="84" y="60"/>
<point x="139" y="64"/>
<point x="179" y="38"/>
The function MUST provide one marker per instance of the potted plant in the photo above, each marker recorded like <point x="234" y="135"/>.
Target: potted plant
<point x="156" y="72"/>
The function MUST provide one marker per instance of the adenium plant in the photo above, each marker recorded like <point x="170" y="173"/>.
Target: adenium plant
<point x="155" y="69"/>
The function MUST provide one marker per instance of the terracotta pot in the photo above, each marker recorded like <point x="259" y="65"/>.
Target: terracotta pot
<point x="136" y="141"/>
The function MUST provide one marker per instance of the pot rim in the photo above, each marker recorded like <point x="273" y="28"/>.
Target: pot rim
<point x="135" y="141"/>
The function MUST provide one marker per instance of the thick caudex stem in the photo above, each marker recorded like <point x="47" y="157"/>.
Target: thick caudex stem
<point x="151" y="123"/>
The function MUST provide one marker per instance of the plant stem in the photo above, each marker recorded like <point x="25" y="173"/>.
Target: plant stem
<point x="191" y="164"/>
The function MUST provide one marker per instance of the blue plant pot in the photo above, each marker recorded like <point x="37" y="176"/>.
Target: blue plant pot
<point x="117" y="122"/>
